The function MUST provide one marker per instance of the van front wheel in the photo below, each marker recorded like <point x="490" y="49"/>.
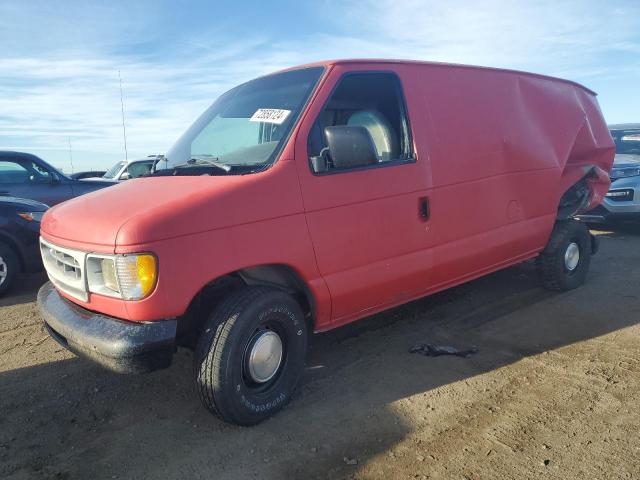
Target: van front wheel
<point x="564" y="263"/>
<point x="250" y="355"/>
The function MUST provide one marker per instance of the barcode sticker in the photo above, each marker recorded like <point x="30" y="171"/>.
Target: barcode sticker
<point x="270" y="115"/>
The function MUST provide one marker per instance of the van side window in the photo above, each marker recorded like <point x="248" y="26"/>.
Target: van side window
<point x="371" y="102"/>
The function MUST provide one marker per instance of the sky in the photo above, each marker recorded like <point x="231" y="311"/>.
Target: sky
<point x="60" y="60"/>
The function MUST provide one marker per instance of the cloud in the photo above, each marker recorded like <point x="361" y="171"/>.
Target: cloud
<point x="64" y="84"/>
<point x="550" y="36"/>
<point x="44" y="100"/>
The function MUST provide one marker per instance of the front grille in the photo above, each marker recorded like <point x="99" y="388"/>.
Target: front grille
<point x="65" y="268"/>
<point x="66" y="264"/>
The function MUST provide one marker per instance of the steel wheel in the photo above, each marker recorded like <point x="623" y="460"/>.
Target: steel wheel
<point x="263" y="356"/>
<point x="572" y="256"/>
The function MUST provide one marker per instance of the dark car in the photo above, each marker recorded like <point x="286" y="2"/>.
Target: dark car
<point x="87" y="174"/>
<point x="24" y="175"/>
<point x="19" y="234"/>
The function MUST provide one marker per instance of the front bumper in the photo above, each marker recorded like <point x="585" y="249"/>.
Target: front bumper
<point x="121" y="346"/>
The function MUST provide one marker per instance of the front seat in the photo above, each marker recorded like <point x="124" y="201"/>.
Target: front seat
<point x="381" y="132"/>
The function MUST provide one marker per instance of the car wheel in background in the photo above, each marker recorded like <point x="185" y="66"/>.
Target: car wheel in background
<point x="9" y="268"/>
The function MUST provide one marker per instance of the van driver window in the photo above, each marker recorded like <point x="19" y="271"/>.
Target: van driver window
<point x="371" y="102"/>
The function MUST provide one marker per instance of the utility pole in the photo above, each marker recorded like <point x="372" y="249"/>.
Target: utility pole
<point x="124" y="128"/>
<point x="70" y="154"/>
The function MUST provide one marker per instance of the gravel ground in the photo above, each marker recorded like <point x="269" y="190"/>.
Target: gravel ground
<point x="553" y="392"/>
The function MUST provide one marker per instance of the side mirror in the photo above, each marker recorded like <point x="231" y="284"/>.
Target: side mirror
<point x="350" y="147"/>
<point x="124" y="176"/>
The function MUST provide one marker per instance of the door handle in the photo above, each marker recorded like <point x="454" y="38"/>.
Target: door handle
<point x="423" y="207"/>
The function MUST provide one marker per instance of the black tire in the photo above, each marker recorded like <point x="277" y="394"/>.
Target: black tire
<point x="221" y="361"/>
<point x="9" y="268"/>
<point x="554" y="270"/>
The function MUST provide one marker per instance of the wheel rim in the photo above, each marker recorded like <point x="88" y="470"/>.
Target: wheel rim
<point x="572" y="256"/>
<point x="3" y="270"/>
<point x="264" y="356"/>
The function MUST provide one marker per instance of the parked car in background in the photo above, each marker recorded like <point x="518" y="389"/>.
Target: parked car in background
<point x="125" y="170"/>
<point x="24" y="175"/>
<point x="310" y="198"/>
<point x="87" y="174"/>
<point x="622" y="201"/>
<point x="19" y="233"/>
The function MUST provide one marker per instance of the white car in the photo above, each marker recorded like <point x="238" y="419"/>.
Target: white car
<point x="124" y="170"/>
<point x="622" y="201"/>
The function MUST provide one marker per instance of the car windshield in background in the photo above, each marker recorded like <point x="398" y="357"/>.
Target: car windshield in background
<point x="113" y="171"/>
<point x="627" y="141"/>
<point x="246" y="127"/>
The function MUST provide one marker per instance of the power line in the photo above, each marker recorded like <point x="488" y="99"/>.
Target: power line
<point x="124" y="128"/>
<point x="70" y="154"/>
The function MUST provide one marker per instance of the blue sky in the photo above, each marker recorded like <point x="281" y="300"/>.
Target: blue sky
<point x="59" y="60"/>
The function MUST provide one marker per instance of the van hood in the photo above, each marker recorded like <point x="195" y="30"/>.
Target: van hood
<point x="149" y="209"/>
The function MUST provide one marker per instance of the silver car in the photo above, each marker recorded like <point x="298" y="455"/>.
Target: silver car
<point x="125" y="170"/>
<point x="622" y="202"/>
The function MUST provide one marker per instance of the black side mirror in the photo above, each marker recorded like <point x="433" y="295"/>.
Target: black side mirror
<point x="350" y="147"/>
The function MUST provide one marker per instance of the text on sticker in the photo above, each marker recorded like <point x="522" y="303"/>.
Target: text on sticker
<point x="270" y="115"/>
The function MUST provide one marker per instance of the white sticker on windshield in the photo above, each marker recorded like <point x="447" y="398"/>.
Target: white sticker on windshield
<point x="270" y="115"/>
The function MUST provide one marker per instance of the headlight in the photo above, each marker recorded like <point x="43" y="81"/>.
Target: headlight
<point x="624" y="172"/>
<point x="32" y="216"/>
<point x="131" y="277"/>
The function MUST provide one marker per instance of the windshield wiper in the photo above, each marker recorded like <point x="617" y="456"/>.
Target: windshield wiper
<point x="258" y="167"/>
<point x="204" y="161"/>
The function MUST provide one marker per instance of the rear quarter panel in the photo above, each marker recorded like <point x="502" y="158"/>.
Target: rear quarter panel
<point x="501" y="145"/>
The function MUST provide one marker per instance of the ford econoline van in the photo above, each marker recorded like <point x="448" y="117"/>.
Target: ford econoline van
<point x="316" y="196"/>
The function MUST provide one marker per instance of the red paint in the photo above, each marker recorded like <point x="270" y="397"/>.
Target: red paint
<point x="495" y="152"/>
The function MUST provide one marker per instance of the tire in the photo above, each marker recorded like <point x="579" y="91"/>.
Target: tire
<point x="558" y="266"/>
<point x="9" y="268"/>
<point x="230" y="385"/>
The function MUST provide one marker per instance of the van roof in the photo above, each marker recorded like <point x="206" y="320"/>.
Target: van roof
<point x="328" y="63"/>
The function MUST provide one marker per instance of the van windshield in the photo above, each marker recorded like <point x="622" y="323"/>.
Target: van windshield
<point x="245" y="129"/>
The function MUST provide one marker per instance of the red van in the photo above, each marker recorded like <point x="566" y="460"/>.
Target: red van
<point x="316" y="196"/>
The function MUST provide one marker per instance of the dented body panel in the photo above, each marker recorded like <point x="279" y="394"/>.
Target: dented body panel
<point x="495" y="151"/>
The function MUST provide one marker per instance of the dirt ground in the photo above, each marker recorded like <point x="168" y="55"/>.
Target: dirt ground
<point x="553" y="392"/>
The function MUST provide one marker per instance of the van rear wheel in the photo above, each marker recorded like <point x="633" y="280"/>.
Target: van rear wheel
<point x="564" y="263"/>
<point x="250" y="355"/>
